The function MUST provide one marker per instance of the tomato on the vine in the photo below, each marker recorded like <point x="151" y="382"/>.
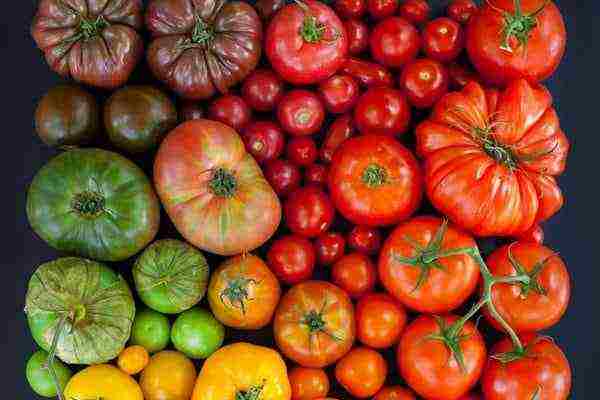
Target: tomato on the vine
<point x="264" y="140"/>
<point x="308" y="211"/>
<point x="424" y="82"/>
<point x="461" y="10"/>
<point x="283" y="176"/>
<point x="262" y="89"/>
<point x="301" y="150"/>
<point x="316" y="174"/>
<point x="339" y="93"/>
<point x="365" y="239"/>
<point x="361" y="372"/>
<point x="330" y="247"/>
<point x="300" y="112"/>
<point x="292" y="259"/>
<point x="308" y="383"/>
<point x="358" y="35"/>
<point x="355" y="273"/>
<point x="380" y="319"/>
<point x="382" y="110"/>
<point x="415" y="11"/>
<point x="394" y="42"/>
<point x="443" y="39"/>
<point x="231" y="110"/>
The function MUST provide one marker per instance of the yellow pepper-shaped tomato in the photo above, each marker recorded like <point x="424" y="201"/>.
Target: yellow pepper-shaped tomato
<point x="103" y="381"/>
<point x="243" y="371"/>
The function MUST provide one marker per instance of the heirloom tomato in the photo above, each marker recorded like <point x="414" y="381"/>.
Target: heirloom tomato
<point x="424" y="81"/>
<point x="292" y="259"/>
<point x="415" y="11"/>
<point x="262" y="89"/>
<point x="380" y="319"/>
<point x="358" y="35"/>
<point x="264" y="140"/>
<point x="169" y="376"/>
<point x="330" y="247"/>
<point x="355" y="273"/>
<point x="339" y="93"/>
<point x="308" y="211"/>
<point x="394" y="42"/>
<point x="394" y="393"/>
<point x="365" y="239"/>
<point x="443" y="39"/>
<point x="103" y="381"/>
<point x="300" y="112"/>
<point x="284" y="176"/>
<point x="231" y="110"/>
<point x="308" y="383"/>
<point x="361" y="372"/>
<point x="382" y="110"/>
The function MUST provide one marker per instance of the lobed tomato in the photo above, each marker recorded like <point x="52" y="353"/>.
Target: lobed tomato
<point x="415" y="11"/>
<point x="355" y="273"/>
<point x="365" y="239"/>
<point x="301" y="150"/>
<point x="443" y="39"/>
<point x="316" y="174"/>
<point x="395" y="393"/>
<point x="264" y="140"/>
<point x="292" y="259"/>
<point x="350" y="8"/>
<point x="308" y="211"/>
<point x="424" y="82"/>
<point x="308" y="383"/>
<point x="394" y="42"/>
<point x="339" y="93"/>
<point x="283" y="176"/>
<point x="262" y="89"/>
<point x="380" y="320"/>
<point x="380" y="9"/>
<point x="300" y="112"/>
<point x="231" y="110"/>
<point x="461" y="10"/>
<point x="341" y="129"/>
<point x="361" y="372"/>
<point x="358" y="35"/>
<point x="382" y="110"/>
<point x="330" y="247"/>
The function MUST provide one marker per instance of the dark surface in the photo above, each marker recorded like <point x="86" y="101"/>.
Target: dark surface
<point x="573" y="232"/>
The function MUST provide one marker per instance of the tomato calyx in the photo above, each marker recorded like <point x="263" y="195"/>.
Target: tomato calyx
<point x="451" y="336"/>
<point x="374" y="176"/>
<point x="316" y="324"/>
<point x="91" y="28"/>
<point x="202" y="32"/>
<point x="223" y="183"/>
<point x="533" y="284"/>
<point x="88" y="204"/>
<point x="253" y="393"/>
<point x="312" y="31"/>
<point x="501" y="153"/>
<point x="237" y="292"/>
<point x="518" y="25"/>
<point x="518" y="353"/>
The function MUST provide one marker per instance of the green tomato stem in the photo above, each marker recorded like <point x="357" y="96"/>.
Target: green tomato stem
<point x="52" y="353"/>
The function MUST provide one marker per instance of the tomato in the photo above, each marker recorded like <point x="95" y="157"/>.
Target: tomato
<point x="443" y="39"/>
<point x="534" y="235"/>
<point x="471" y="396"/>
<point x="168" y="376"/>
<point x="267" y="8"/>
<point x="292" y="259"/>
<point x="394" y="42"/>
<point x="302" y="151"/>
<point x="264" y="140"/>
<point x="461" y="10"/>
<point x="284" y="176"/>
<point x="262" y="90"/>
<point x="308" y="211"/>
<point x="231" y="110"/>
<point x="429" y="366"/>
<point x="339" y="93"/>
<point x="380" y="9"/>
<point x="39" y="378"/>
<point x="515" y="137"/>
<point x="151" y="330"/>
<point x="314" y="324"/>
<point x="197" y="333"/>
<point x="506" y="42"/>
<point x="375" y="181"/>
<point x="189" y="110"/>
<point x="382" y="110"/>
<point x="542" y="373"/>
<point x="424" y="82"/>
<point x="300" y="112"/>
<point x="365" y="239"/>
<point x="367" y="73"/>
<point x="340" y="129"/>
<point x="315" y="174"/>
<point x="330" y="247"/>
<point x="133" y="359"/>
<point x="394" y="393"/>
<point x="358" y="35"/>
<point x="355" y="273"/>
<point x="415" y="11"/>
<point x="460" y="75"/>
<point x="302" y="33"/>
<point x="361" y="372"/>
<point x="105" y="381"/>
<point x="308" y="383"/>
<point x="380" y="320"/>
<point x="350" y="8"/>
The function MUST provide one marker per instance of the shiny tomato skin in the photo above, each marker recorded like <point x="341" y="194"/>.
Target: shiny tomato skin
<point x="382" y="110"/>
<point x="365" y="239"/>
<point x="339" y="93"/>
<point x="297" y="60"/>
<point x="231" y="110"/>
<point x="424" y="82"/>
<point x="394" y="393"/>
<point x="367" y="73"/>
<point x="308" y="211"/>
<point x="283" y="176"/>
<point x="443" y="39"/>
<point x="316" y="174"/>
<point x="461" y="10"/>
<point x="533" y="235"/>
<point x="394" y="41"/>
<point x="546" y="370"/>
<point x="355" y="273"/>
<point x="341" y="129"/>
<point x="350" y="8"/>
<point x="292" y="259"/>
<point x="301" y="150"/>
<point x="375" y="181"/>
<point x="380" y="319"/>
<point x="300" y="112"/>
<point x="264" y="140"/>
<point x="330" y="247"/>
<point x="361" y="372"/>
<point x="415" y="11"/>
<point x="358" y="35"/>
<point x="380" y="9"/>
<point x="262" y="90"/>
<point x="308" y="383"/>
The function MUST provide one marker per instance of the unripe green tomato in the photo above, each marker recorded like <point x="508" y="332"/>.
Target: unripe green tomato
<point x="150" y="330"/>
<point x="197" y="333"/>
<point x="39" y="378"/>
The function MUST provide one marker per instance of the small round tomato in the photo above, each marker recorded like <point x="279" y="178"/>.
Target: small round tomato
<point x="292" y="259"/>
<point x="301" y="150"/>
<point x="533" y="235"/>
<point x="382" y="110"/>
<point x="443" y="39"/>
<point x="368" y="73"/>
<point x="341" y="129"/>
<point x="358" y="35"/>
<point x="355" y="273"/>
<point x="330" y="247"/>
<point x="429" y="366"/>
<point x="169" y="375"/>
<point x="361" y="372"/>
<point x="415" y="11"/>
<point x="380" y="320"/>
<point x="461" y="10"/>
<point x="394" y="393"/>
<point x="231" y="110"/>
<point x="308" y="383"/>
<point x="262" y="89"/>
<point x="197" y="333"/>
<point x="394" y="42"/>
<point x="283" y="176"/>
<point x="424" y="82"/>
<point x="542" y="373"/>
<point x="350" y="8"/>
<point x="315" y="174"/>
<point x="301" y="112"/>
<point x="339" y="93"/>
<point x="133" y="359"/>
<point x="365" y="239"/>
<point x="264" y="140"/>
<point x="380" y="9"/>
<point x="308" y="211"/>
<point x="191" y="110"/>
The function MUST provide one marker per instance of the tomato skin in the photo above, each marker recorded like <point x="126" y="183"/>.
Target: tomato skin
<point x="546" y="368"/>
<point x="350" y="8"/>
<point x="283" y="176"/>
<point x="394" y="41"/>
<point x="358" y="35"/>
<point x="300" y="112"/>
<point x="394" y="393"/>
<point x="365" y="239"/>
<point x="308" y="211"/>
<point x="292" y="259"/>
<point x="339" y="93"/>
<point x="382" y="110"/>
<point x="308" y="383"/>
<point x="380" y="319"/>
<point x="461" y="10"/>
<point x="262" y="89"/>
<point x="355" y="273"/>
<point x="264" y="140"/>
<point x="471" y="396"/>
<point x="341" y="129"/>
<point x="302" y="151"/>
<point x="267" y="8"/>
<point x="380" y="9"/>
<point x="330" y="247"/>
<point x="361" y="372"/>
<point x="415" y="11"/>
<point x="424" y="82"/>
<point x="367" y="73"/>
<point x="231" y="110"/>
<point x="533" y="235"/>
<point x="443" y="39"/>
<point x="316" y="174"/>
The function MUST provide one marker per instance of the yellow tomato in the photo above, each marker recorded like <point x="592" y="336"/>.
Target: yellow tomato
<point x="243" y="371"/>
<point x="170" y="375"/>
<point x="104" y="382"/>
<point x="133" y="359"/>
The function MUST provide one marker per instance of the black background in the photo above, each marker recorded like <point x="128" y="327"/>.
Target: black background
<point x="573" y="232"/>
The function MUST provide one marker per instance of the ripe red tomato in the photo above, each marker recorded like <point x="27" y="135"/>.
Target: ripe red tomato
<point x="429" y="366"/>
<point x="358" y="35"/>
<point x="306" y="42"/>
<point x="283" y="176"/>
<point x="471" y="396"/>
<point x="339" y="93"/>
<point x="355" y="273"/>
<point x="292" y="259"/>
<point x="424" y="82"/>
<point x="350" y="8"/>
<point x="533" y="235"/>
<point x="380" y="9"/>
<point x="367" y="73"/>
<point x="544" y="370"/>
<point x="262" y="89"/>
<point x="443" y="39"/>
<point x="231" y="110"/>
<point x="315" y="174"/>
<point x="375" y="181"/>
<point x="365" y="239"/>
<point x="330" y="247"/>
<point x="301" y="150"/>
<point x="382" y="110"/>
<point x="361" y="372"/>
<point x="505" y="44"/>
<point x="300" y="112"/>
<point x="264" y="140"/>
<point x="341" y="129"/>
<point x="308" y="383"/>
<point x="380" y="320"/>
<point x="394" y="393"/>
<point x="394" y="42"/>
<point x="415" y="11"/>
<point x="461" y="10"/>
<point x="308" y="211"/>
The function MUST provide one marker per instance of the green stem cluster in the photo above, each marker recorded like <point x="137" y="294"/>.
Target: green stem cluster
<point x="518" y="24"/>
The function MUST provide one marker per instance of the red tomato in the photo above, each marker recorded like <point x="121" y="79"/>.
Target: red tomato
<point x="380" y="9"/>
<point x="264" y="140"/>
<point x="471" y="396"/>
<point x="358" y="35"/>
<point x="350" y="8"/>
<point x="394" y="42"/>
<point x="375" y="181"/>
<point x="306" y="42"/>
<point x="300" y="112"/>
<point x="283" y="176"/>
<point x="308" y="383"/>
<point x="533" y="235"/>
<point x="262" y="89"/>
<point x="315" y="174"/>
<point x="231" y="110"/>
<point x="443" y="39"/>
<point x="367" y="73"/>
<point x="505" y="44"/>
<point x="429" y="366"/>
<point x="341" y="129"/>
<point x="365" y="239"/>
<point x="424" y="82"/>
<point x="308" y="211"/>
<point x="415" y="11"/>
<point x="394" y="393"/>
<point x="302" y="150"/>
<point x="355" y="273"/>
<point x="543" y="371"/>
<point x="292" y="259"/>
<point x="382" y="110"/>
<point x="330" y="247"/>
<point x="190" y="110"/>
<point x="460" y="75"/>
<point x="361" y="372"/>
<point x="339" y="93"/>
<point x="380" y="320"/>
<point x="461" y="10"/>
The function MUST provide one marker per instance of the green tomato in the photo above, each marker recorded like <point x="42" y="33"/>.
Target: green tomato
<point x="197" y="333"/>
<point x="150" y="330"/>
<point x="39" y="378"/>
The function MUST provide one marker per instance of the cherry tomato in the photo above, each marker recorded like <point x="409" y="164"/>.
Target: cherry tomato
<point x="301" y="150"/>
<point x="533" y="235"/>
<point x="315" y="174"/>
<point x="380" y="320"/>
<point x="365" y="239"/>
<point x="300" y="112"/>
<point x="292" y="259"/>
<point x="190" y="110"/>
<point x="394" y="393"/>
<point x="231" y="110"/>
<point x="283" y="176"/>
<point x="443" y="39"/>
<point x="358" y="35"/>
<point x="367" y="73"/>
<point x="380" y="9"/>
<point x="461" y="10"/>
<point x="394" y="42"/>
<point x="382" y="110"/>
<point x="350" y="8"/>
<point x="330" y="247"/>
<point x="460" y="75"/>
<point x="308" y="211"/>
<point x="355" y="273"/>
<point x="424" y="82"/>
<point x="262" y="89"/>
<point x="339" y="93"/>
<point x="264" y="140"/>
<point x="361" y="372"/>
<point x="308" y="383"/>
<point x="415" y="11"/>
<point x="341" y="129"/>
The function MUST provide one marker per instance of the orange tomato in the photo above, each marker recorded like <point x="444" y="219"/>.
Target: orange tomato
<point x="355" y="273"/>
<point x="380" y="319"/>
<point x="308" y="383"/>
<point x="361" y="372"/>
<point x="133" y="359"/>
<point x="169" y="376"/>
<point x="394" y="393"/>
